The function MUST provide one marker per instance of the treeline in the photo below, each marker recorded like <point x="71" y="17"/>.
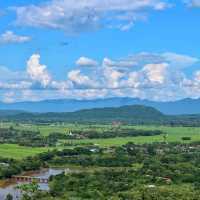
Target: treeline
<point x="93" y="134"/>
<point x="27" y="137"/>
<point x="35" y="139"/>
<point x="10" y="167"/>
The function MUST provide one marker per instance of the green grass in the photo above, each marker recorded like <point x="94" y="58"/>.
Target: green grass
<point x="175" y="134"/>
<point x="47" y="129"/>
<point x="59" y="128"/>
<point x="18" y="152"/>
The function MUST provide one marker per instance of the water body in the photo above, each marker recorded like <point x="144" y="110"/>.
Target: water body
<point x="10" y="187"/>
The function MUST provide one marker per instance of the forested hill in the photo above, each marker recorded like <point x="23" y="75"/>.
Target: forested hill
<point x="127" y="114"/>
<point x="135" y="114"/>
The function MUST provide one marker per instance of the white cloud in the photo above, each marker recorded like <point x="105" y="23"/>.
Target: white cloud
<point x="7" y="74"/>
<point x="175" y="60"/>
<point x="15" y="86"/>
<point x="119" y="63"/>
<point x="134" y="80"/>
<point x="112" y="77"/>
<point x="144" y="75"/>
<point x="197" y="77"/>
<point x="156" y="73"/>
<point x="38" y="72"/>
<point x="9" y="37"/>
<point x="81" y="80"/>
<point x="86" y="62"/>
<point x="178" y="60"/>
<point x="9" y="97"/>
<point x="127" y="27"/>
<point x="74" y="16"/>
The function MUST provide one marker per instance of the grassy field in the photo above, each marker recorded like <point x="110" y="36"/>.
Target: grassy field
<point x="18" y="152"/>
<point x="58" y="128"/>
<point x="175" y="134"/>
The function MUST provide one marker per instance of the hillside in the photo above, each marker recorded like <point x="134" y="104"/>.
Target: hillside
<point x="134" y="114"/>
<point x="185" y="106"/>
<point x="128" y="114"/>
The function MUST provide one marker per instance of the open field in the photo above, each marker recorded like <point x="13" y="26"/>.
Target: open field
<point x="18" y="152"/>
<point x="174" y="134"/>
<point x="56" y="128"/>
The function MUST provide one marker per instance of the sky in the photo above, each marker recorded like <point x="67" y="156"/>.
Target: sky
<point x="89" y="49"/>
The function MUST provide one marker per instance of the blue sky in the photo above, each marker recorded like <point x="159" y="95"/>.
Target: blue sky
<point x="98" y="49"/>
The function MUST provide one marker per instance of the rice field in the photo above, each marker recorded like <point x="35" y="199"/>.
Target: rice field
<point x="174" y="134"/>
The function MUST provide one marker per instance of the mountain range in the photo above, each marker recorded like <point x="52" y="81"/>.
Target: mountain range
<point x="132" y="114"/>
<point x="184" y="106"/>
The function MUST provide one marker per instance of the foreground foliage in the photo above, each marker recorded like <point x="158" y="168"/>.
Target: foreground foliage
<point x="157" y="171"/>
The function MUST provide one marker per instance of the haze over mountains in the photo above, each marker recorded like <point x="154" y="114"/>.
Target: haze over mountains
<point x="185" y="106"/>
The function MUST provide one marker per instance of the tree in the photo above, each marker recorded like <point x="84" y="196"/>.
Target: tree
<point x="29" y="190"/>
<point x="9" y="197"/>
<point x="165" y="136"/>
<point x="186" y="138"/>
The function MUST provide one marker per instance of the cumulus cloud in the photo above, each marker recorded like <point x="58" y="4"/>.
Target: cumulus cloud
<point x="75" y="16"/>
<point x="197" y="77"/>
<point x="9" y="38"/>
<point x="144" y="75"/>
<point x="86" y="62"/>
<point x="38" y="72"/>
<point x="156" y="73"/>
<point x="80" y="80"/>
<point x="112" y="77"/>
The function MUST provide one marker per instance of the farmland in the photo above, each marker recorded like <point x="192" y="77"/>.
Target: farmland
<point x="18" y="152"/>
<point x="174" y="134"/>
<point x="143" y="156"/>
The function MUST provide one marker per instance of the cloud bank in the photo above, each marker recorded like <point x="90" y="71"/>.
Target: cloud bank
<point x="75" y="16"/>
<point x="144" y="75"/>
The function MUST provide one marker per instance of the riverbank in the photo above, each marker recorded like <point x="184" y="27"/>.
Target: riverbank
<point x="8" y="186"/>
